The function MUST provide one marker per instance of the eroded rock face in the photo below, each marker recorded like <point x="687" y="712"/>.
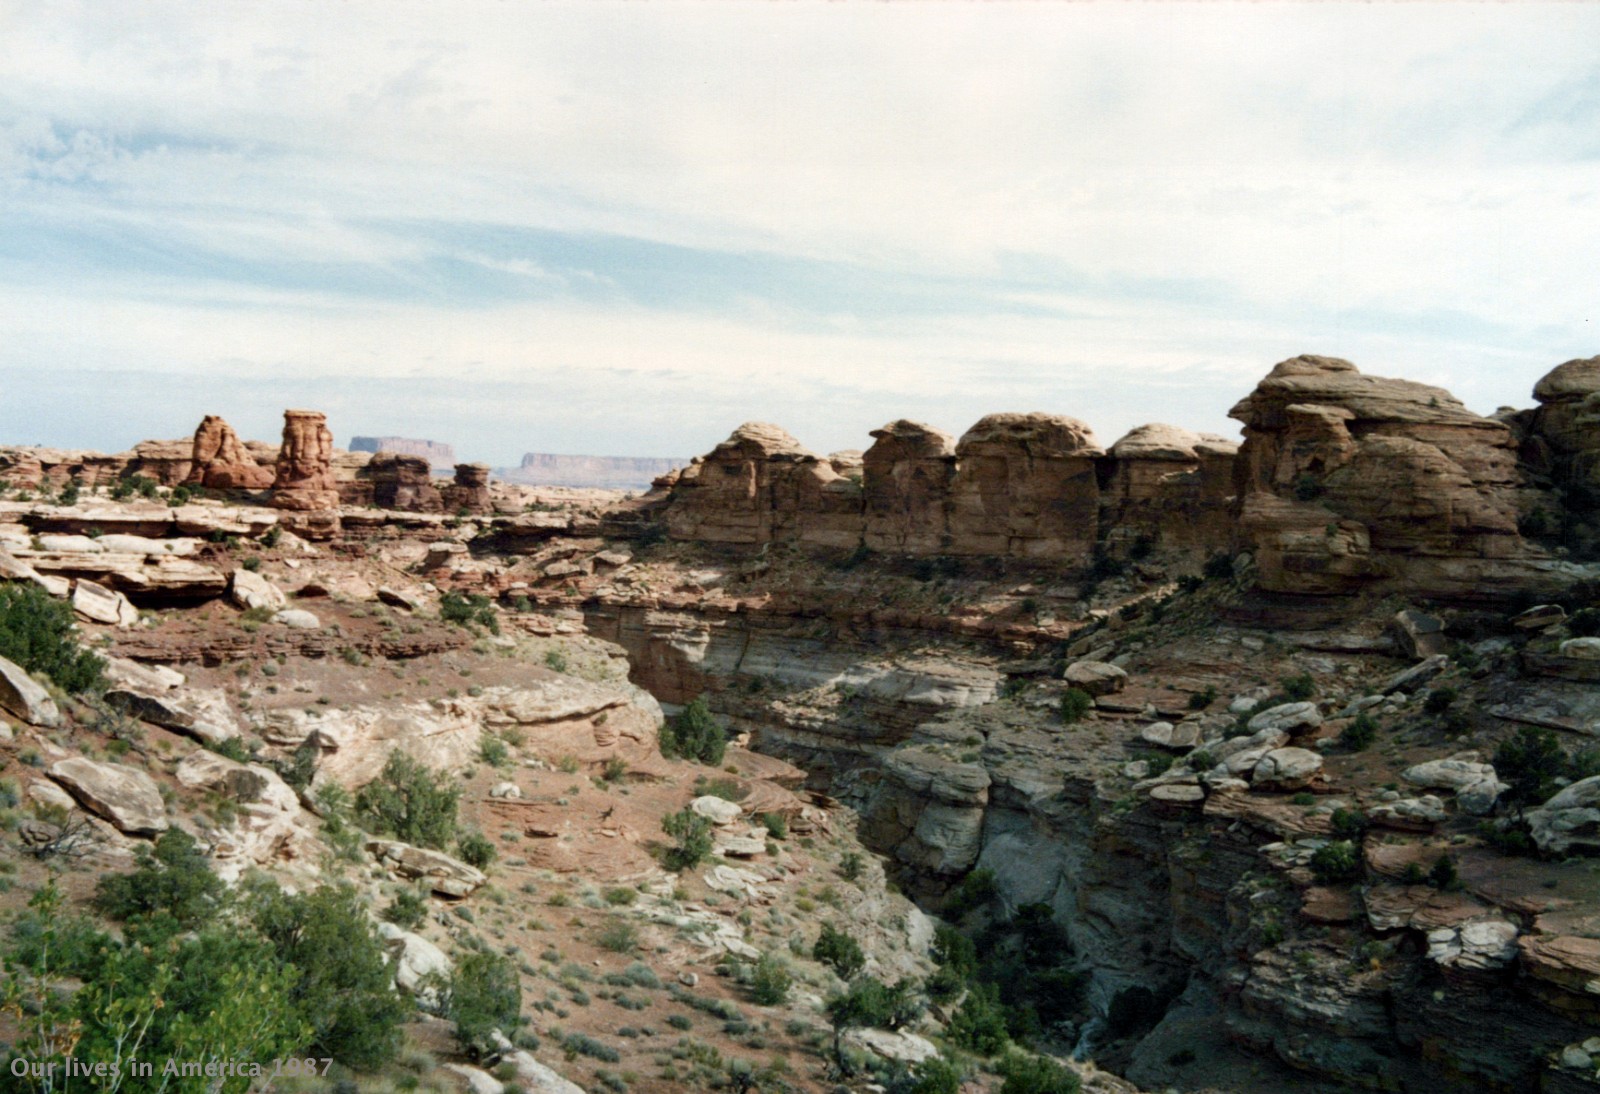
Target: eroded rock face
<point x="266" y="821"/>
<point x="443" y="874"/>
<point x="746" y="489"/>
<point x="305" y="479"/>
<point x="21" y="696"/>
<point x="219" y="460"/>
<point x="1349" y="481"/>
<point x="1169" y="488"/>
<point x="1025" y="486"/>
<point x="123" y="795"/>
<point x="470" y="490"/>
<point x="906" y="479"/>
<point x="397" y="481"/>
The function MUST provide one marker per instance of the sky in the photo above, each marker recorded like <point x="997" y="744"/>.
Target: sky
<point x="623" y="229"/>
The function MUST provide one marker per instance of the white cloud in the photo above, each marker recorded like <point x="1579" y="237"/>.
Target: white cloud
<point x="1293" y="171"/>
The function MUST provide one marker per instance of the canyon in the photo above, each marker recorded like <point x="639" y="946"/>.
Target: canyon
<point x="1154" y="687"/>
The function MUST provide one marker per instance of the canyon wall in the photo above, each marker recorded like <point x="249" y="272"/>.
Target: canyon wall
<point x="436" y="453"/>
<point x="1344" y="483"/>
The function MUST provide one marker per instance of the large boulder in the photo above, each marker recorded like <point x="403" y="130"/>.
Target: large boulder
<point x="99" y="604"/>
<point x="219" y="460"/>
<point x="125" y="796"/>
<point x="443" y="874"/>
<point x="1286" y="769"/>
<point x="1291" y="718"/>
<point x="249" y="589"/>
<point x="1570" y="821"/>
<point x="268" y="814"/>
<point x="202" y="713"/>
<point x="415" y="961"/>
<point x="1475" y="784"/>
<point x="23" y="697"/>
<point x="1096" y="677"/>
<point x="718" y="811"/>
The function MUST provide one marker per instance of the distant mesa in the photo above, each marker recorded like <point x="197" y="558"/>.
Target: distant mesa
<point x="594" y="472"/>
<point x="440" y="456"/>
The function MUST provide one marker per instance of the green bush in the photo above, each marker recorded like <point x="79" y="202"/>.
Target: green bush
<point x="475" y="849"/>
<point x="1349" y="824"/>
<point x="693" y="734"/>
<point x="1297" y="689"/>
<point x="870" y="1002"/>
<point x="618" y="936"/>
<point x="976" y="891"/>
<point x="408" y="909"/>
<point x="1439" y="700"/>
<point x="485" y="995"/>
<point x="850" y="865"/>
<point x="1337" y="861"/>
<point x="1360" y="733"/>
<point x="777" y="826"/>
<point x="935" y="1076"/>
<point x="839" y="952"/>
<point x="1585" y="623"/>
<point x="1075" y="704"/>
<point x="343" y="987"/>
<point x="410" y="802"/>
<point x="1201" y="699"/>
<point x="1530" y="762"/>
<point x="467" y="609"/>
<point x="171" y="890"/>
<point x="36" y="631"/>
<point x="1037" y="1075"/>
<point x="979" y="1024"/>
<point x="1219" y="565"/>
<point x="493" y="751"/>
<point x="691" y="838"/>
<point x="772" y="981"/>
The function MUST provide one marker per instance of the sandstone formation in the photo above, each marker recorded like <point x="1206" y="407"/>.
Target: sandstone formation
<point x="1168" y="488"/>
<point x="1348" y="482"/>
<point x="906" y="477"/>
<point x="220" y="461"/>
<point x="394" y="481"/>
<point x="125" y="796"/>
<point x="469" y="493"/>
<point x="23" y="697"/>
<point x="305" y="479"/>
<point x="1025" y="486"/>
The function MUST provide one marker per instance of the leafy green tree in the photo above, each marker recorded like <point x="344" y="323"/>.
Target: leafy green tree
<point x="1530" y="762"/>
<point x="485" y="995"/>
<point x="771" y="982"/>
<point x="37" y="632"/>
<point x="173" y="889"/>
<point x="1336" y="861"/>
<point x="869" y="1002"/>
<point x="342" y="986"/>
<point x="837" y="950"/>
<point x="935" y="1076"/>
<point x="693" y="734"/>
<point x="691" y="836"/>
<point x="410" y="802"/>
<point x="979" y="1024"/>
<point x="467" y="609"/>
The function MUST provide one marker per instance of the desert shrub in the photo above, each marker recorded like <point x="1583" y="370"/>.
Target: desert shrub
<point x="485" y="995"/>
<point x="1508" y="837"/>
<point x="468" y="609"/>
<point x="691" y="838"/>
<point x="1444" y="874"/>
<point x="837" y="950"/>
<point x="36" y="631"/>
<point x="1307" y="487"/>
<point x="1037" y="1075"/>
<point x="771" y="982"/>
<point x="1336" y="861"/>
<point x="618" y="936"/>
<point x="692" y="734"/>
<point x="1075" y="703"/>
<point x="776" y="825"/>
<point x="976" y="891"/>
<point x="555" y="659"/>
<point x="1201" y="699"/>
<point x="1219" y="565"/>
<point x="493" y="751"/>
<point x="1299" y="688"/>
<point x="850" y="865"/>
<point x="979" y="1023"/>
<point x="870" y="1002"/>
<point x="342" y="987"/>
<point x="475" y="849"/>
<point x="1530" y="762"/>
<point x="409" y="802"/>
<point x="1360" y="733"/>
<point x="1133" y="1011"/>
<point x="1585" y="623"/>
<point x="1200" y="760"/>
<point x="408" y="909"/>
<point x="1348" y="824"/>
<point x="172" y="889"/>
<point x="1439" y="700"/>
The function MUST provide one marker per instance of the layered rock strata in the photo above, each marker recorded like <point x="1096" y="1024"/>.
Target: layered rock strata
<point x="219" y="460"/>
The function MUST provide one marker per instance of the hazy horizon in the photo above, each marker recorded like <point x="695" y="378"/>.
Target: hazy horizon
<point x="624" y="229"/>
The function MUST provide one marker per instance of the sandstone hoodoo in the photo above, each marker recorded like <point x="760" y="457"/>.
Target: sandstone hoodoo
<point x="304" y="479"/>
<point x="219" y="460"/>
<point x="469" y="492"/>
